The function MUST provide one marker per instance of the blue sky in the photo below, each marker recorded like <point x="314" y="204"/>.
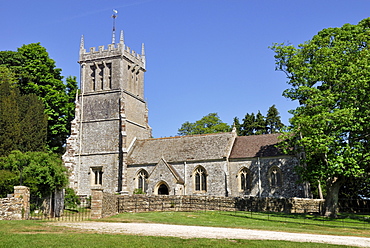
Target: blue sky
<point x="203" y="56"/>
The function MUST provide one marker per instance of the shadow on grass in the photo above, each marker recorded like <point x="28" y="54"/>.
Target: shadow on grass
<point x="342" y="221"/>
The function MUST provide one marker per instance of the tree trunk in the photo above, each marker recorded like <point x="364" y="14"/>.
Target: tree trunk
<point x="319" y="188"/>
<point x="331" y="200"/>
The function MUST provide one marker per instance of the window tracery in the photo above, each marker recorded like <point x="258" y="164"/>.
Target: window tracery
<point x="142" y="180"/>
<point x="244" y="179"/>
<point x="200" y="179"/>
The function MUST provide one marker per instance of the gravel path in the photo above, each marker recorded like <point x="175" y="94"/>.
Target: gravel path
<point x="149" y="229"/>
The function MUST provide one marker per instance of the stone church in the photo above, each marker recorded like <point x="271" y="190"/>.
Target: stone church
<point x="111" y="148"/>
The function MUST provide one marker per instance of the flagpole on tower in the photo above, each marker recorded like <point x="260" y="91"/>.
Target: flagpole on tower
<point x="114" y="16"/>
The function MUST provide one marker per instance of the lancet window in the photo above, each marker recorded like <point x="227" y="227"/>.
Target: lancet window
<point x="142" y="180"/>
<point x="275" y="177"/>
<point x="245" y="179"/>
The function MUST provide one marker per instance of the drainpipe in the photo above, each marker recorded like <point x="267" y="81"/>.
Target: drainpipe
<point x="184" y="192"/>
<point x="259" y="177"/>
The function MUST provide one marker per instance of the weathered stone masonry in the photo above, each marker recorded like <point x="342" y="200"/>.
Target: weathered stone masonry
<point x="110" y="146"/>
<point x="110" y="204"/>
<point x="110" y="113"/>
<point x="16" y="207"/>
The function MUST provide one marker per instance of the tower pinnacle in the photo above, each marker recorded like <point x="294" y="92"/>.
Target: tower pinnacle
<point x="82" y="43"/>
<point x="121" y="38"/>
<point x="142" y="49"/>
<point x="143" y="55"/>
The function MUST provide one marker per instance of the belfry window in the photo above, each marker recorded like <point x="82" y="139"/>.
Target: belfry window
<point x="200" y="179"/>
<point x="92" y="75"/>
<point x="101" y="76"/>
<point x="100" y="82"/>
<point x="109" y="68"/>
<point x="142" y="180"/>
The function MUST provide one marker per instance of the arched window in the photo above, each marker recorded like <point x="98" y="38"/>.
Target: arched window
<point x="244" y="179"/>
<point x="200" y="179"/>
<point x="142" y="180"/>
<point x="275" y="177"/>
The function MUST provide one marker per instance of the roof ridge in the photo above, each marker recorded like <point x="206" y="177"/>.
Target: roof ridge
<point x="259" y="135"/>
<point x="185" y="136"/>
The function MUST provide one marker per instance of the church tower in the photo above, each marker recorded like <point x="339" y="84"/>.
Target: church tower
<point x="110" y="114"/>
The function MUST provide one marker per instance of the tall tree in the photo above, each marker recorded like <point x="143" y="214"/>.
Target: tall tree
<point x="260" y="124"/>
<point x="10" y="126"/>
<point x="273" y="120"/>
<point x="210" y="123"/>
<point x="33" y="122"/>
<point x="329" y="77"/>
<point x="248" y="124"/>
<point x="37" y="74"/>
<point x="23" y="123"/>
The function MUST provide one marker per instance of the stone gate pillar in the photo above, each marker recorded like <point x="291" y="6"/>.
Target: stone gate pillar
<point x="96" y="203"/>
<point x="23" y="192"/>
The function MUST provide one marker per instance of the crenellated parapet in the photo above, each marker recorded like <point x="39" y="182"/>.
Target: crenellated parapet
<point x="112" y="51"/>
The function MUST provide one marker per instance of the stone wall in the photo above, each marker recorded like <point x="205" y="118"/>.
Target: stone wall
<point x="142" y="203"/>
<point x="16" y="207"/>
<point x="106" y="204"/>
<point x="259" y="169"/>
<point x="103" y="204"/>
<point x="109" y="204"/>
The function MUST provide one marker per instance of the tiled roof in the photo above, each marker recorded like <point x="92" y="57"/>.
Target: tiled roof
<point x="182" y="148"/>
<point x="256" y="146"/>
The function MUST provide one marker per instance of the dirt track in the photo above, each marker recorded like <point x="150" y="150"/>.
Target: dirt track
<point x="149" y="229"/>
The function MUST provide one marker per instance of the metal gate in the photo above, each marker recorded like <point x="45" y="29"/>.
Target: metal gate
<point x="58" y="207"/>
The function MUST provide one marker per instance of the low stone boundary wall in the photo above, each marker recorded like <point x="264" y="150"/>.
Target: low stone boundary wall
<point x="105" y="204"/>
<point x="16" y="207"/>
<point x="140" y="203"/>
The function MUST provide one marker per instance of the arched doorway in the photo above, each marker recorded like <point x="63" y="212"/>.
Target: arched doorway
<point x="163" y="189"/>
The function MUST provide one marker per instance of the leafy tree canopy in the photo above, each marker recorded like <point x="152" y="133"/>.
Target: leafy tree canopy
<point x="42" y="172"/>
<point x="330" y="78"/>
<point x="258" y="124"/>
<point x="210" y="123"/>
<point x="36" y="73"/>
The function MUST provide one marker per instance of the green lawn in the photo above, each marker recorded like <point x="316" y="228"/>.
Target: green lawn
<point x="39" y="234"/>
<point x="261" y="221"/>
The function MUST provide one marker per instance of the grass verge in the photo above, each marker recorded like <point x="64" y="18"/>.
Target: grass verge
<point x="39" y="234"/>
